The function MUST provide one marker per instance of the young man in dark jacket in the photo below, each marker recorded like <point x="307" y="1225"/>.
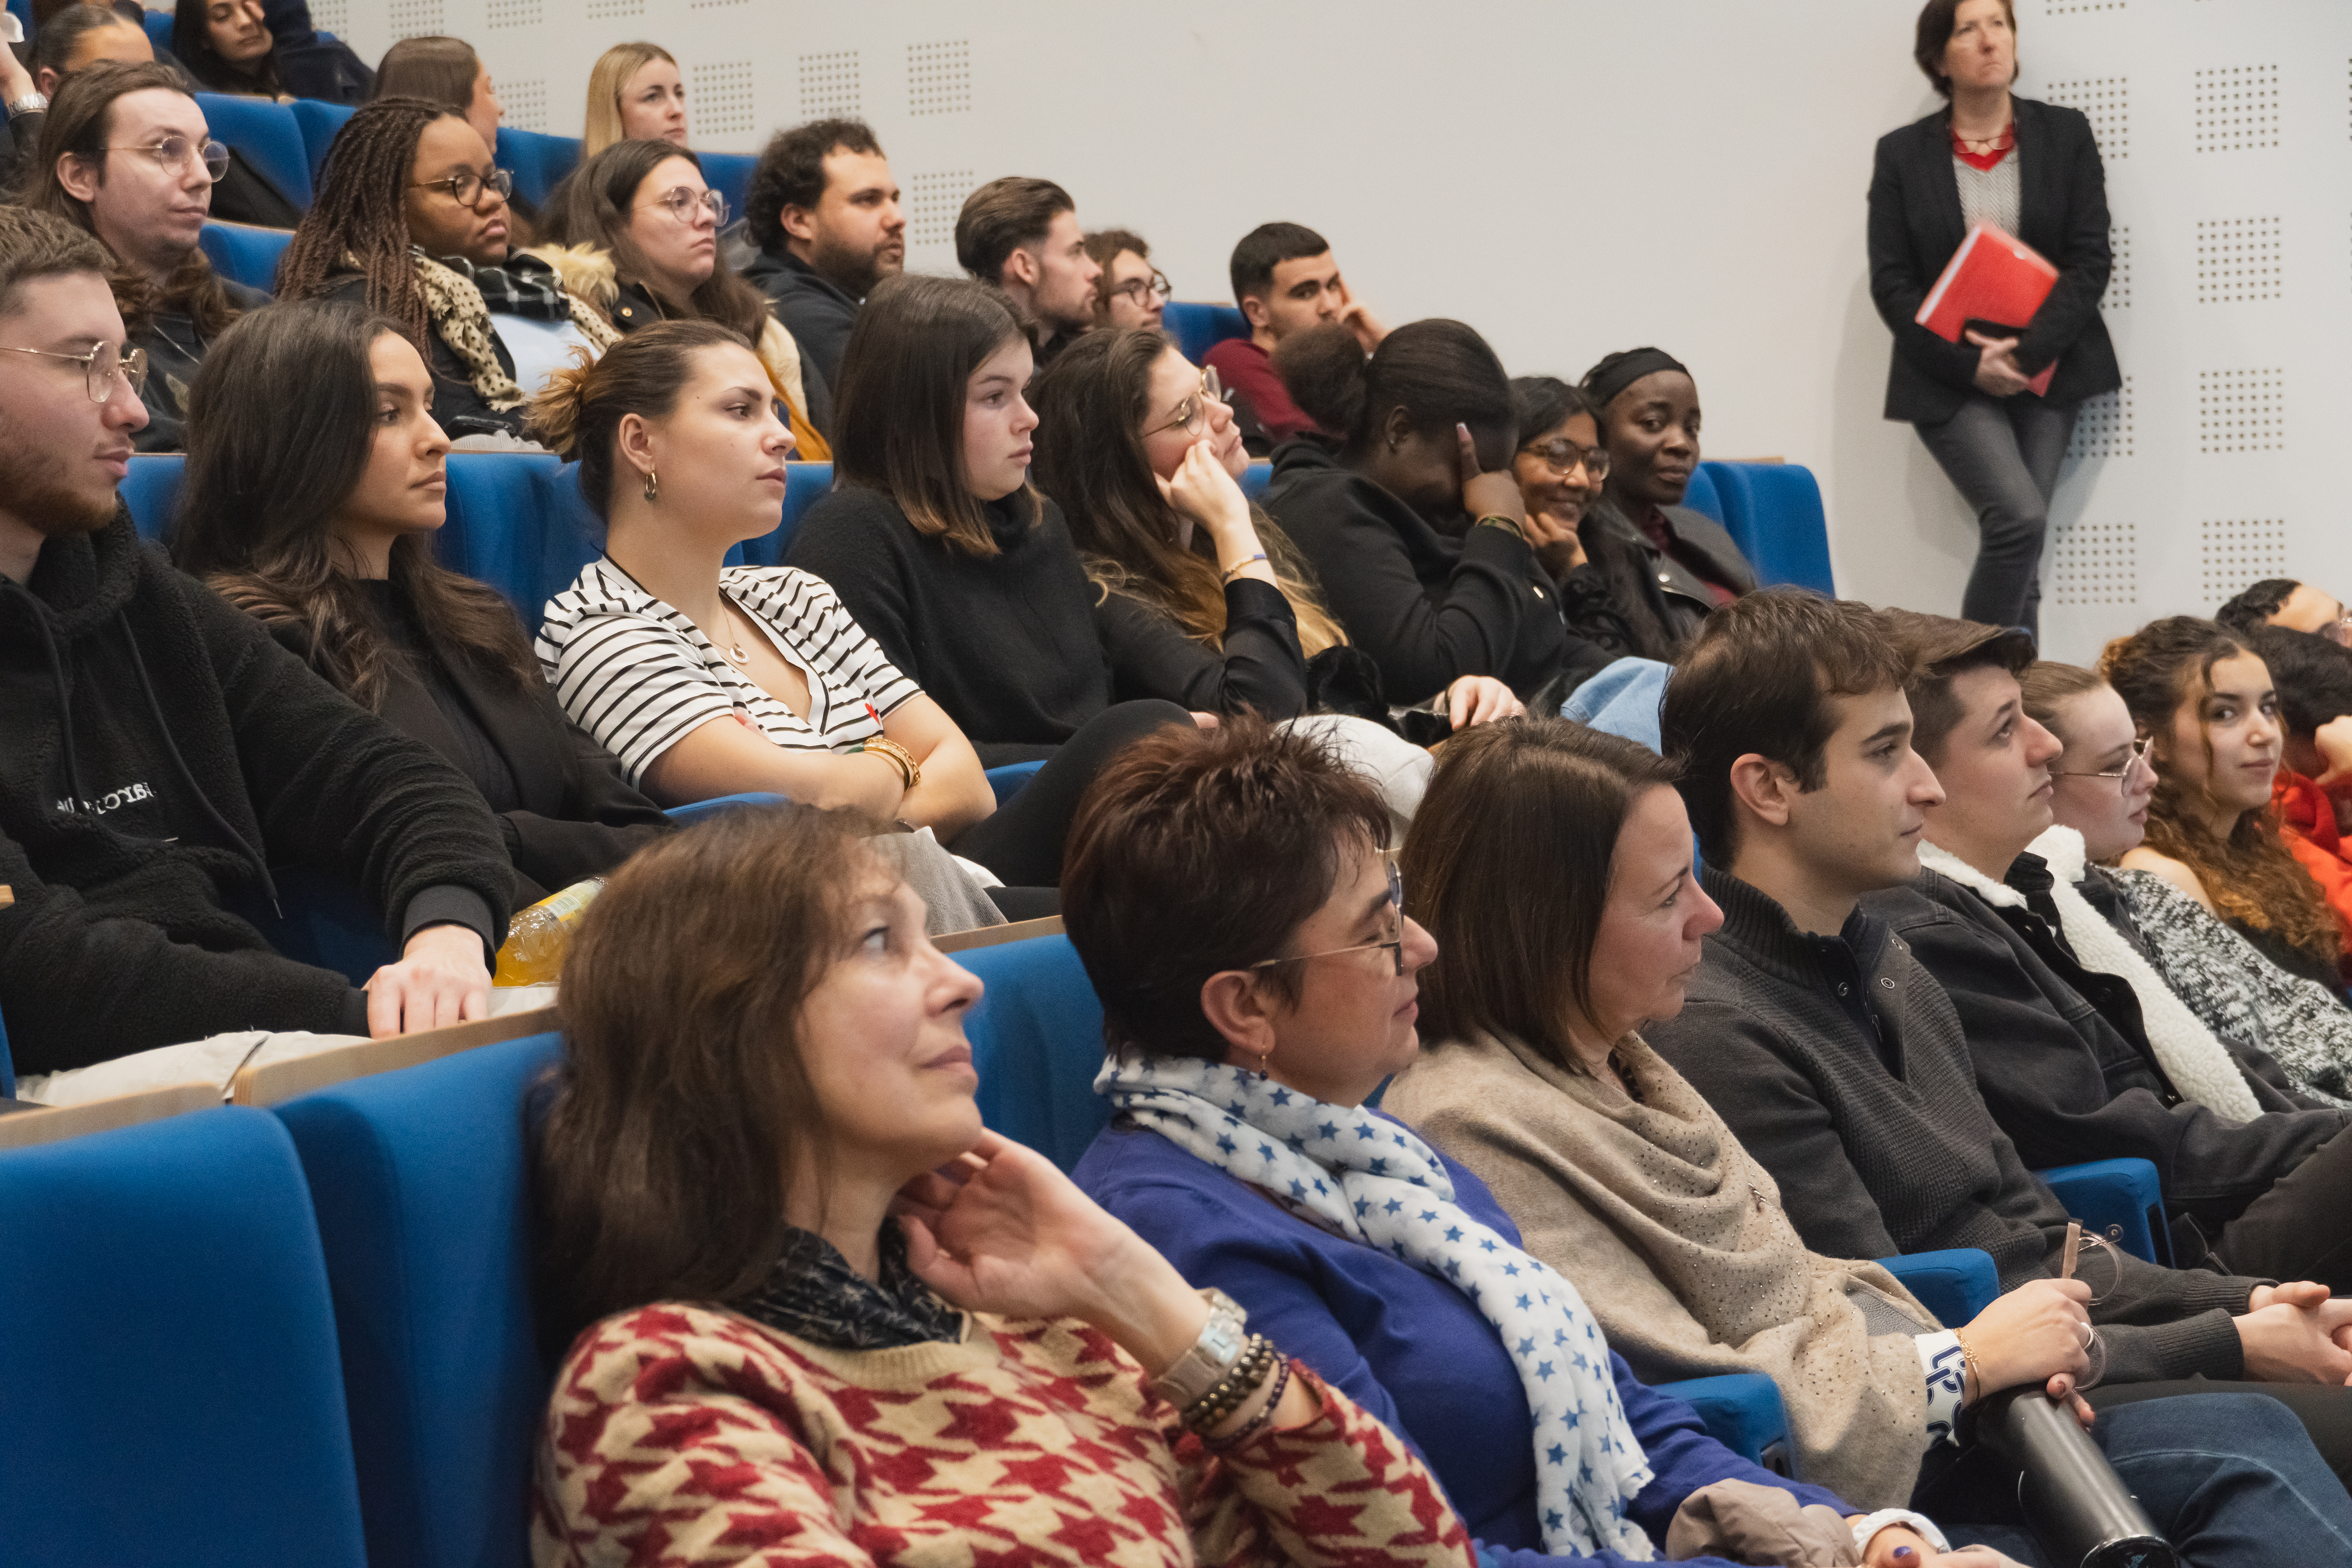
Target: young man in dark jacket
<point x="162" y="752"/>
<point x="1815" y="1033"/>
<point x="2063" y="1054"/>
<point x="823" y="210"/>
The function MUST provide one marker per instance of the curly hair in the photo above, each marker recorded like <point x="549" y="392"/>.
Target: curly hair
<point x="360" y="213"/>
<point x="2250" y="874"/>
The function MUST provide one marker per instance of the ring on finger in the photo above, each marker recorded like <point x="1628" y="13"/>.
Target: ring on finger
<point x="2089" y="1333"/>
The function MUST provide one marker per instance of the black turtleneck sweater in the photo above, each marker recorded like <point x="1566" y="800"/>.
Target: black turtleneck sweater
<point x="158" y="752"/>
<point x="1005" y="643"/>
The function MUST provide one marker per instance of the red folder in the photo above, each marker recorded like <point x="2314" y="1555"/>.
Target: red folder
<point x="1993" y="284"/>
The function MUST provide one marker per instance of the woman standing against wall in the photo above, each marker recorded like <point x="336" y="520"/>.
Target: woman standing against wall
<point x="2032" y="170"/>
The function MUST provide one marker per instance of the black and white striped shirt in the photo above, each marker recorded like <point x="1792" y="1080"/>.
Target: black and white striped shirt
<point x="637" y="675"/>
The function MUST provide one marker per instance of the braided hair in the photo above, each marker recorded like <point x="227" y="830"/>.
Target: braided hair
<point x="360" y="213"/>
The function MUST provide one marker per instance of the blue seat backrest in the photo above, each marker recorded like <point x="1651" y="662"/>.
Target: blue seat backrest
<point x="1008" y="780"/>
<point x="172" y="1392"/>
<point x="720" y="804"/>
<point x="806" y="484"/>
<point x="1700" y="495"/>
<point x="1744" y="1412"/>
<point x="419" y="1179"/>
<point x="1255" y="478"/>
<point x="23" y="11"/>
<point x="245" y="254"/>
<point x="7" y="1062"/>
<point x="2122" y="1200"/>
<point x="269" y="136"/>
<point x="1197" y="329"/>
<point x="152" y="489"/>
<point x="1773" y="512"/>
<point x="319" y="122"/>
<point x="516" y="521"/>
<point x="729" y="174"/>
<point x="536" y="160"/>
<point x="1955" y="1283"/>
<point x="159" y="27"/>
<point x="1036" y="1043"/>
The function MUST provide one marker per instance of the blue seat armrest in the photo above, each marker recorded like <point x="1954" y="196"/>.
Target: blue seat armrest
<point x="694" y="811"/>
<point x="1007" y="780"/>
<point x="1743" y="1412"/>
<point x="2122" y="1200"/>
<point x="1956" y="1284"/>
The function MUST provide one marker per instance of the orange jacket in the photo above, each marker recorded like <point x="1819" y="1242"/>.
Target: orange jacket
<point x="2308" y="820"/>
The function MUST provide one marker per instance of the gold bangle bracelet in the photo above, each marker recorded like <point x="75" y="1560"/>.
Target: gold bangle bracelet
<point x="910" y="772"/>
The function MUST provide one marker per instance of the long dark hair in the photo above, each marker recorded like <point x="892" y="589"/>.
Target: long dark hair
<point x="662" y="1171"/>
<point x="80" y="122"/>
<point x="362" y="213"/>
<point x="1441" y="372"/>
<point x="1091" y="403"/>
<point x="2250" y="874"/>
<point x="594" y="206"/>
<point x="897" y="412"/>
<point x="578" y="413"/>
<point x="280" y="425"/>
<point x="192" y="44"/>
<point x="436" y="69"/>
<point x="1508" y="863"/>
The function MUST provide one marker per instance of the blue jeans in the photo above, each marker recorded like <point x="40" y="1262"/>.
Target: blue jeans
<point x="2231" y="1479"/>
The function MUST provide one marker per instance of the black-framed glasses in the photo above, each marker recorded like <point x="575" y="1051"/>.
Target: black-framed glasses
<point x="173" y="153"/>
<point x="685" y="201"/>
<point x="2136" y="772"/>
<point x="1193" y="409"/>
<point x="1564" y="457"/>
<point x="1142" y="290"/>
<point x="1395" y="945"/>
<point x="100" y="366"/>
<point x="467" y="185"/>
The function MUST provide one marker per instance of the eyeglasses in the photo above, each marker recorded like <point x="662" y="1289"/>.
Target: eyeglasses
<point x="1394" y="944"/>
<point x="2134" y="775"/>
<point x="1564" y="457"/>
<point x="1143" y="289"/>
<point x="465" y="186"/>
<point x="683" y="201"/>
<point x="1193" y="409"/>
<point x="100" y="366"/>
<point x="173" y="152"/>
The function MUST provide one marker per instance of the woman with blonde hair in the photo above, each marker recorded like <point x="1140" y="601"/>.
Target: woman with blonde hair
<point x="634" y="93"/>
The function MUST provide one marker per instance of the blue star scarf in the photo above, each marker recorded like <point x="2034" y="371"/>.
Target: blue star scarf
<point x="1369" y="1180"/>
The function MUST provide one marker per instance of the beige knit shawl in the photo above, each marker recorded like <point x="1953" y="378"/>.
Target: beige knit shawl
<point x="1678" y="1242"/>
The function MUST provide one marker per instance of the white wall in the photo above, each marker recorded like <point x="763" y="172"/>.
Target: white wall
<point x="1573" y="177"/>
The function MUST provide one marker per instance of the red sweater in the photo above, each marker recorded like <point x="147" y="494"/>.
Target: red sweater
<point x="2307" y="823"/>
<point x="1248" y="369"/>
<point x="682" y="1435"/>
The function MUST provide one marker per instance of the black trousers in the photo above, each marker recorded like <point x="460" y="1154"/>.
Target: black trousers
<point x="1021" y="841"/>
<point x="2301" y="1228"/>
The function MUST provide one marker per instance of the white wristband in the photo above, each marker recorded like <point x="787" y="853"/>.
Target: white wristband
<point x="1946" y="1370"/>
<point x="1869" y="1524"/>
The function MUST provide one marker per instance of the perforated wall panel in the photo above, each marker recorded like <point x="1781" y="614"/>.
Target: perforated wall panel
<point x="525" y="101"/>
<point x="2096" y="563"/>
<point x="2240" y="552"/>
<point x="829" y="85"/>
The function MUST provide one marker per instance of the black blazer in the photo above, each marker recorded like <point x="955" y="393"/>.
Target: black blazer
<point x="1916" y="224"/>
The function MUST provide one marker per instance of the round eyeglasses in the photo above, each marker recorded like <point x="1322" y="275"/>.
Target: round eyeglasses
<point x="2137" y="773"/>
<point x="1144" y="291"/>
<point x="1188" y="415"/>
<point x="100" y="366"/>
<point x="1564" y="457"/>
<point x="174" y="152"/>
<point x="467" y="185"/>
<point x="686" y="204"/>
<point x="1395" y="945"/>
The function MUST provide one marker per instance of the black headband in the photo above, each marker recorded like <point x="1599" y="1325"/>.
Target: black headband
<point x="1614" y="374"/>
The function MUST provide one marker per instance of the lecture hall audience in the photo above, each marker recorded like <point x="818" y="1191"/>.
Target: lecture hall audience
<point x="265" y="48"/>
<point x="1285" y="281"/>
<point x="143" y="803"/>
<point x="447" y="71"/>
<point x="126" y="156"/>
<point x="1022" y="235"/>
<point x="822" y="207"/>
<point x="634" y="92"/>
<point x="1131" y="293"/>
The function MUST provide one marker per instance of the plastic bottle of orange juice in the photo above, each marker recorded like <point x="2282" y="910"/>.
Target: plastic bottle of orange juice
<point x="538" y="938"/>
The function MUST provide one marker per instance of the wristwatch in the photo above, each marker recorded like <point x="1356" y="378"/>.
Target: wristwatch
<point x="1223" y="1340"/>
<point x="31" y="103"/>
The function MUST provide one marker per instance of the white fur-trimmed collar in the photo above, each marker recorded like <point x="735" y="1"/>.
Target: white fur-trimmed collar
<point x="2061" y="847"/>
<point x="1992" y="889"/>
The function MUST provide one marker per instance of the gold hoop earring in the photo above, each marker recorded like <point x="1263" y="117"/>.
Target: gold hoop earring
<point x="653" y="485"/>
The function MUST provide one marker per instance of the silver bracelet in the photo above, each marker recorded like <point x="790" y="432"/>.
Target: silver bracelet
<point x="1223" y="1339"/>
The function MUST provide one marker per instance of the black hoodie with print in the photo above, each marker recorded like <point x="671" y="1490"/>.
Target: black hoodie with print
<point x="158" y="752"/>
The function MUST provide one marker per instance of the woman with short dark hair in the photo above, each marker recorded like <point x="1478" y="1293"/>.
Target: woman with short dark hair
<point x="2033" y="171"/>
<point x="1414" y="524"/>
<point x="316" y="481"/>
<point x="821" y="1312"/>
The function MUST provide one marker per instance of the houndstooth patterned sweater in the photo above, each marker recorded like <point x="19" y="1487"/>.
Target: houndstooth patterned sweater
<point x="681" y="1434"/>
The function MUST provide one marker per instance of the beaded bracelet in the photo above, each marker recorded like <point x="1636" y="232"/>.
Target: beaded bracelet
<point x="1236" y="1385"/>
<point x="1231" y="572"/>
<point x="1262" y="1419"/>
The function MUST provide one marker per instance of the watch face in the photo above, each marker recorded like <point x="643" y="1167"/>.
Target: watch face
<point x="1224" y="1338"/>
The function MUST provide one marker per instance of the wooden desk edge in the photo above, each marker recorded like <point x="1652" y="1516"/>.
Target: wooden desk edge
<point x="274" y="1083"/>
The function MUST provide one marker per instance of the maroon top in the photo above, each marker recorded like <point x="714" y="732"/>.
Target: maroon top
<point x="1661" y="533"/>
<point x="1248" y="369"/>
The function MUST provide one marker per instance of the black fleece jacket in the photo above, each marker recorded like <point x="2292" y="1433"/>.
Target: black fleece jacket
<point x="161" y="752"/>
<point x="2063" y="1058"/>
<point x="1839" y="1063"/>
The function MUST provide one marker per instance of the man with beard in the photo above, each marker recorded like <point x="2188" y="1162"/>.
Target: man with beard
<point x="163" y="752"/>
<point x="823" y="210"/>
<point x="1022" y="235"/>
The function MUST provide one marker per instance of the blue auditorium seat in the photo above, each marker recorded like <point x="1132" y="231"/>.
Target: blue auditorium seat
<point x="536" y="160"/>
<point x="1036" y="1043"/>
<point x="1255" y="478"/>
<point x="2120" y="1199"/>
<point x="695" y="811"/>
<point x="151" y="489"/>
<point x="1955" y="1283"/>
<point x="269" y="136"/>
<point x="1007" y="780"/>
<point x="245" y="254"/>
<point x="420" y="1183"/>
<point x="1197" y="329"/>
<point x="172" y="1392"/>
<point x="1773" y="512"/>
<point x="159" y="28"/>
<point x="1744" y="1412"/>
<point x="319" y="122"/>
<point x="23" y="11"/>
<point x="806" y="484"/>
<point x="729" y="174"/>
<point x="1701" y="494"/>
<point x="7" y="1063"/>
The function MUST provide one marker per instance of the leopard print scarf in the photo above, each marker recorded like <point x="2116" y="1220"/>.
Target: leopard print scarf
<point x="463" y="320"/>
